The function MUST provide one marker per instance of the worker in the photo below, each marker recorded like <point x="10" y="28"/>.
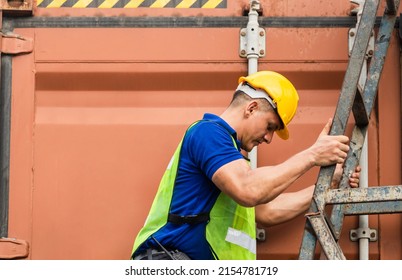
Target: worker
<point x="210" y="199"/>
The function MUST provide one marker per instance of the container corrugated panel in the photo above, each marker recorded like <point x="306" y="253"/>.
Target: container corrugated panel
<point x="101" y="111"/>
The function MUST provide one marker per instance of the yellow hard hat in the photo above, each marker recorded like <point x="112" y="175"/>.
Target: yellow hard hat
<point x="281" y="94"/>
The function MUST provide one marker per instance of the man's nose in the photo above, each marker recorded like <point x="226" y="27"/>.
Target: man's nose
<point x="268" y="137"/>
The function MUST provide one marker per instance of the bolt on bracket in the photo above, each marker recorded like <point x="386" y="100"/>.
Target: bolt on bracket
<point x="260" y="234"/>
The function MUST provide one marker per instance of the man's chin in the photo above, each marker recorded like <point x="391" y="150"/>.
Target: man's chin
<point x="249" y="149"/>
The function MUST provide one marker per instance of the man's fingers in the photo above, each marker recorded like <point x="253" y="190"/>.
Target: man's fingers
<point x="354" y="182"/>
<point x="354" y="178"/>
<point x="327" y="128"/>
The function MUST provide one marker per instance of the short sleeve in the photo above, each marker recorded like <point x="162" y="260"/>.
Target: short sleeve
<point x="210" y="146"/>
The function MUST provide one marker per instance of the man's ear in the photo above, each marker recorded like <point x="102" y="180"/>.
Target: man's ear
<point x="251" y="108"/>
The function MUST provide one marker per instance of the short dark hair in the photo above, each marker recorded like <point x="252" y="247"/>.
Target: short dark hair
<point x="239" y="97"/>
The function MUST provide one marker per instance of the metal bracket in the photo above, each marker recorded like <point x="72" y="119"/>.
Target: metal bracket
<point x="246" y="45"/>
<point x="351" y="41"/>
<point x="370" y="234"/>
<point x="252" y="38"/>
<point x="17" y="7"/>
<point x="15" y="44"/>
<point x="352" y="32"/>
<point x="11" y="248"/>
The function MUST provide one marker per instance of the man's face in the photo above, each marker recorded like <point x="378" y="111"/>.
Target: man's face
<point x="259" y="128"/>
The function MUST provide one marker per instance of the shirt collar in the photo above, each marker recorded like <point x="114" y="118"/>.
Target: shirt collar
<point x="223" y="123"/>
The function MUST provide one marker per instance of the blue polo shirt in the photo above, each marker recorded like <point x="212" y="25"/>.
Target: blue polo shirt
<point x="206" y="147"/>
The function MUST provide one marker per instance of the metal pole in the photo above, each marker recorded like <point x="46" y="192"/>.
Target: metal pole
<point x="364" y="219"/>
<point x="252" y="47"/>
<point x="252" y="56"/>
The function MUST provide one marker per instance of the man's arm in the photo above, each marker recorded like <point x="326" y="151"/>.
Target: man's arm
<point x="285" y="207"/>
<point x="288" y="206"/>
<point x="251" y="187"/>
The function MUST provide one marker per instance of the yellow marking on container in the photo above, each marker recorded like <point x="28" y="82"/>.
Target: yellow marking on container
<point x="108" y="4"/>
<point x="56" y="3"/>
<point x="159" y="3"/>
<point x="186" y="3"/>
<point x="133" y="4"/>
<point x="82" y="3"/>
<point x="211" y="4"/>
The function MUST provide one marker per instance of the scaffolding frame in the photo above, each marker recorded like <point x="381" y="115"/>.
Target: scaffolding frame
<point x="346" y="200"/>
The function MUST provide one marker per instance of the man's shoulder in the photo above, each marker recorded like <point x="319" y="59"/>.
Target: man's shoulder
<point x="208" y="129"/>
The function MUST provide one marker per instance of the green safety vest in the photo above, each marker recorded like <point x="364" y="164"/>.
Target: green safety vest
<point x="230" y="232"/>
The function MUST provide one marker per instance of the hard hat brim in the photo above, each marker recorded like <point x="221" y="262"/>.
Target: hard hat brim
<point x="283" y="133"/>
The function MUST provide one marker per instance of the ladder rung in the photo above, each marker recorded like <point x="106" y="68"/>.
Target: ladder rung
<point x="369" y="208"/>
<point x="372" y="194"/>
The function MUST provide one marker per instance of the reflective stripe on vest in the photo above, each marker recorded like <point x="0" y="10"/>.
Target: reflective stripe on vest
<point x="230" y="232"/>
<point x="241" y="239"/>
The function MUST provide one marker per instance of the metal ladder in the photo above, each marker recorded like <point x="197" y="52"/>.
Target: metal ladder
<point x="345" y="200"/>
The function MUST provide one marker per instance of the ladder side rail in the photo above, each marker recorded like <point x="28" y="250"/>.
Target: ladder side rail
<point x="328" y="244"/>
<point x="352" y="75"/>
<point x="352" y="160"/>
<point x="380" y="50"/>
